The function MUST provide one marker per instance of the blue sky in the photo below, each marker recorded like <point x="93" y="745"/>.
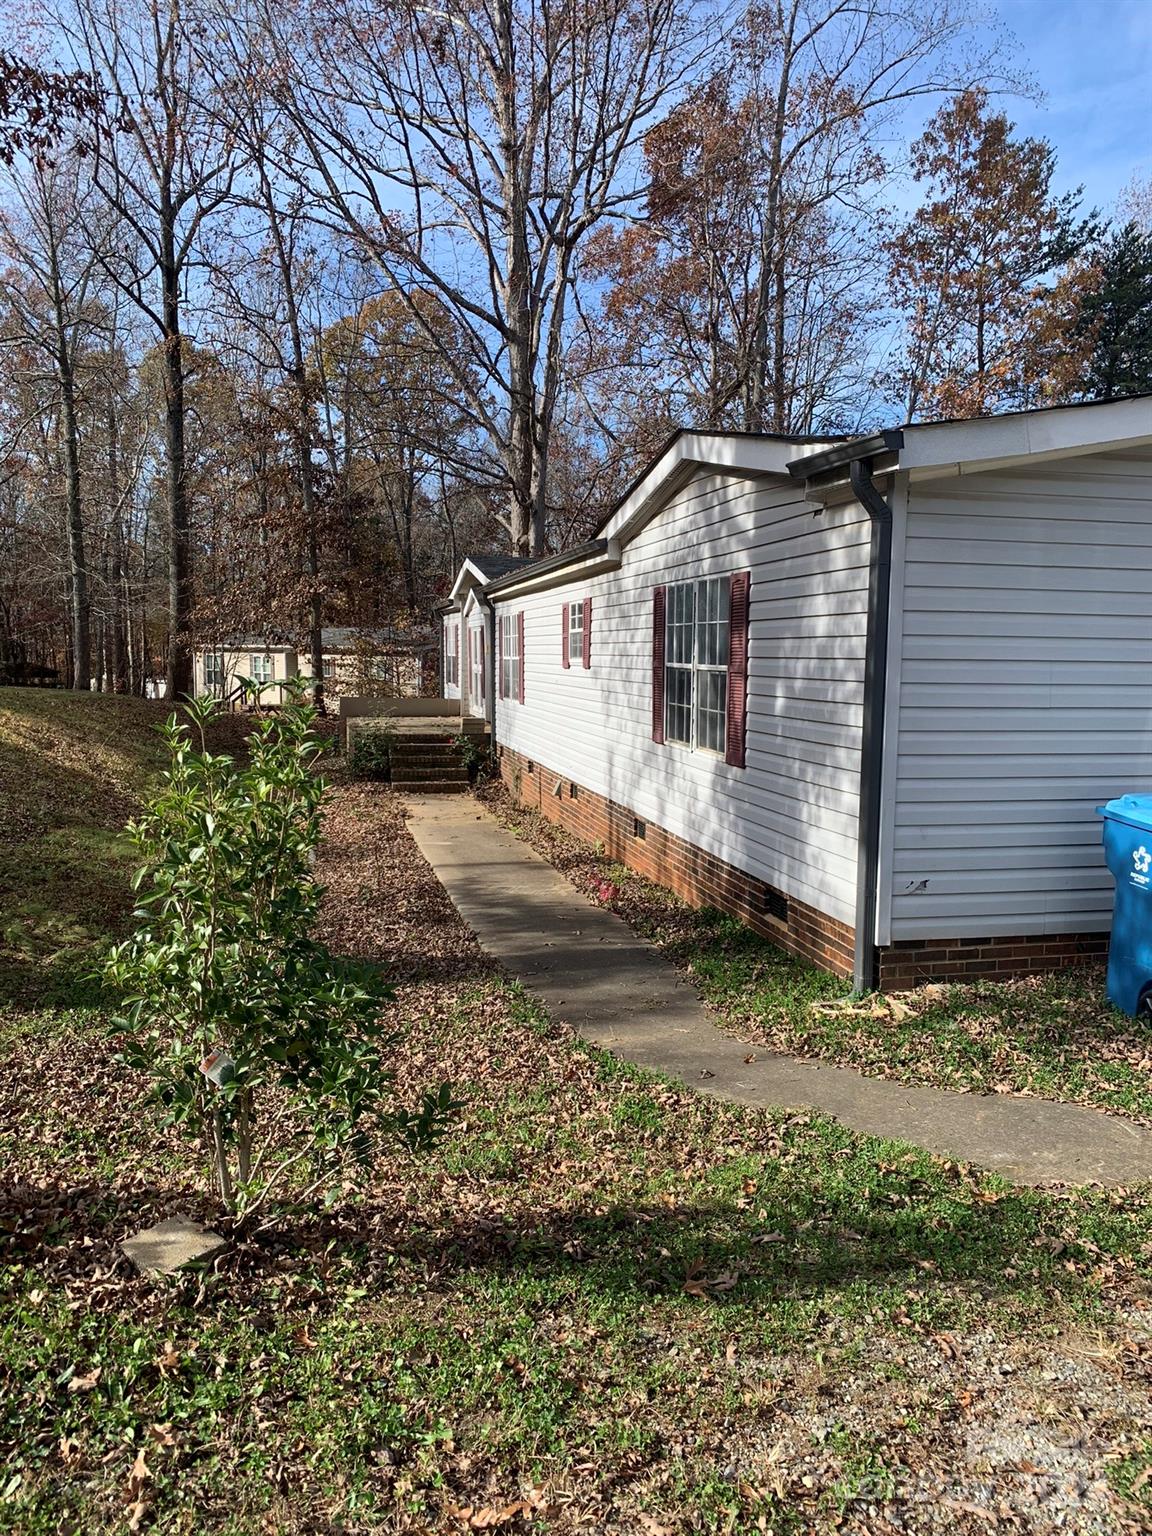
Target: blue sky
<point x="1093" y="61"/>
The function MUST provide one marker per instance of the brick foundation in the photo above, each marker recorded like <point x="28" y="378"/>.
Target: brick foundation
<point x="909" y="962"/>
<point x="697" y="877"/>
<point x="703" y="880"/>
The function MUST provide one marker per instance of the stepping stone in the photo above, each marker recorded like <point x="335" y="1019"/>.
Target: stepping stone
<point x="170" y="1245"/>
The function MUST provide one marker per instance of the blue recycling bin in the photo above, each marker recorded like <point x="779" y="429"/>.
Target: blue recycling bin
<point x="1128" y="850"/>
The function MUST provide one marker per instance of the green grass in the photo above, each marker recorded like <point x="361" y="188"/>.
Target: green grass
<point x="73" y="770"/>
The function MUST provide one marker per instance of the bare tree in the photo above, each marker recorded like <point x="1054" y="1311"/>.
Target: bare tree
<point x="50" y="296"/>
<point x="470" y="151"/>
<point x="164" y="166"/>
<point x="274" y="289"/>
<point x="748" y="296"/>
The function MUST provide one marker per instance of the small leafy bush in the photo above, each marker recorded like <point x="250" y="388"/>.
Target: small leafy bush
<point x="265" y="1046"/>
<point x="474" y="755"/>
<point x="370" y="755"/>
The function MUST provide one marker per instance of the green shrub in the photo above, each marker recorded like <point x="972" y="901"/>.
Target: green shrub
<point x="370" y="754"/>
<point x="474" y="755"/>
<point x="269" y="1049"/>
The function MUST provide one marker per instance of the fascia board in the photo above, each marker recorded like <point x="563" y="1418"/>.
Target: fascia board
<point x="999" y="441"/>
<point x="692" y="451"/>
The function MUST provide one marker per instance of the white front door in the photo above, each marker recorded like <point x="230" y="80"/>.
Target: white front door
<point x="476" y="669"/>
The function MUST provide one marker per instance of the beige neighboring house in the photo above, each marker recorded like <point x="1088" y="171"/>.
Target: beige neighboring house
<point x="358" y="663"/>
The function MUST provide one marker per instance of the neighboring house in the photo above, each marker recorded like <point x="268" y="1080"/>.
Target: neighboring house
<point x="389" y="663"/>
<point x="864" y="694"/>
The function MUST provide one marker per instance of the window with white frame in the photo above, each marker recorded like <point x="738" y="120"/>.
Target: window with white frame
<point x="510" y="658"/>
<point x="260" y="667"/>
<point x="452" y="655"/>
<point x="575" y="633"/>
<point x="329" y="665"/>
<point x="214" y="672"/>
<point x="696" y="663"/>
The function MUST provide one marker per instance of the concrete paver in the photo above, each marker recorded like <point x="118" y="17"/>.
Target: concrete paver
<point x="170" y="1245"/>
<point x="591" y="972"/>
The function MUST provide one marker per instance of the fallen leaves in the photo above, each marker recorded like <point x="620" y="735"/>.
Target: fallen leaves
<point x="85" y="1383"/>
<point x="491" y="1517"/>
<point x="697" y="1283"/>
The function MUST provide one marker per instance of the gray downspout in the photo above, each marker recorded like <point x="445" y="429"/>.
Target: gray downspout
<point x="866" y="970"/>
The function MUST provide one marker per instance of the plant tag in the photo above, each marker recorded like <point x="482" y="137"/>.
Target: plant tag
<point x="218" y="1067"/>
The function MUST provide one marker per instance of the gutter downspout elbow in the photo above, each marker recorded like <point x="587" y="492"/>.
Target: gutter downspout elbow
<point x="865" y="967"/>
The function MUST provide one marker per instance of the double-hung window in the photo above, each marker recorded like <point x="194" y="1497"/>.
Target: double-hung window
<point x="576" y="634"/>
<point x="511" y="659"/>
<point x="696" y="663"/>
<point x="452" y="655"/>
<point x="214" y="673"/>
<point x="260" y="667"/>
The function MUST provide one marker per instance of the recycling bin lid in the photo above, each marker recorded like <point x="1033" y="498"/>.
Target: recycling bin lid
<point x="1135" y="810"/>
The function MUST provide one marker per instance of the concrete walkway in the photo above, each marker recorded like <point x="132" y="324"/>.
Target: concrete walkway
<point x="592" y="973"/>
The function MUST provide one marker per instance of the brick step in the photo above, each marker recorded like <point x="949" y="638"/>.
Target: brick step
<point x="403" y="775"/>
<point x="442" y="767"/>
<point x="419" y="739"/>
<point x="432" y="787"/>
<point x="427" y="759"/>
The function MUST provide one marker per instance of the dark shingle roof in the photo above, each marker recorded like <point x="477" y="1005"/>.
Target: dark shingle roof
<point x="498" y="565"/>
<point x="354" y="639"/>
<point x="335" y="639"/>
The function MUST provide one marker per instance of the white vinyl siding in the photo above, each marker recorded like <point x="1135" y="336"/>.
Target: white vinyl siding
<point x="789" y="817"/>
<point x="1023" y="697"/>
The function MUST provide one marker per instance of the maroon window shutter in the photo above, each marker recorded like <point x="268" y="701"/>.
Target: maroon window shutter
<point x="736" y="733"/>
<point x="520" y="637"/>
<point x="564" y="636"/>
<point x="587" y="633"/>
<point x="460" y="657"/>
<point x="501" y="652"/>
<point x="659" y="600"/>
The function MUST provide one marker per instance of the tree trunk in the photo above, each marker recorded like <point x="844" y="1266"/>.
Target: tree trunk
<point x="77" y="561"/>
<point x="179" y="672"/>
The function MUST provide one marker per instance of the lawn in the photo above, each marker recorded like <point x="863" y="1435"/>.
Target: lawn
<point x="1052" y="1036"/>
<point x="603" y="1305"/>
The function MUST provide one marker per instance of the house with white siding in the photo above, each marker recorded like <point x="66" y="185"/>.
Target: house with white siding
<point x="864" y="694"/>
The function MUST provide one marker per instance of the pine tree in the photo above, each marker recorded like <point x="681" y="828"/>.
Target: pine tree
<point x="1115" y="316"/>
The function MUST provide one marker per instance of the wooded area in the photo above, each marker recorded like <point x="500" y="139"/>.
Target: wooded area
<point x="302" y="300"/>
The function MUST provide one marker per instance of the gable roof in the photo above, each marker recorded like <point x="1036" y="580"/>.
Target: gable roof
<point x="923" y="450"/>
